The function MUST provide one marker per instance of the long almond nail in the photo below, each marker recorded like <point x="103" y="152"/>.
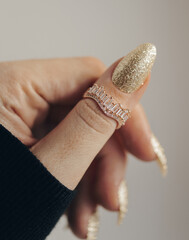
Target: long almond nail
<point x="123" y="201"/>
<point x="159" y="151"/>
<point x="133" y="69"/>
<point x="93" y="226"/>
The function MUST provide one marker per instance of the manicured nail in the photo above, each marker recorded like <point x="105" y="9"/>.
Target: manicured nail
<point x="159" y="151"/>
<point x="93" y="226"/>
<point x="133" y="69"/>
<point x="123" y="201"/>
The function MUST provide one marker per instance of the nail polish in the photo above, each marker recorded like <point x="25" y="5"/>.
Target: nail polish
<point x="93" y="226"/>
<point x="159" y="151"/>
<point x="133" y="69"/>
<point x="123" y="201"/>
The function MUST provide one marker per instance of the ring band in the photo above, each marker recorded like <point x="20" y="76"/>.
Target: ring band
<point x="108" y="105"/>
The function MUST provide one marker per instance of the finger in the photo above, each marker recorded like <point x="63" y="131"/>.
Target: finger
<point x="136" y="135"/>
<point x="75" y="142"/>
<point x="110" y="173"/>
<point x="64" y="80"/>
<point x="36" y="84"/>
<point x="55" y="115"/>
<point x="99" y="186"/>
<point x="56" y="80"/>
<point x="84" y="205"/>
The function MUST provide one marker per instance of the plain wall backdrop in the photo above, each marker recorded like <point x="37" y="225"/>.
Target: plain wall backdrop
<point x="108" y="29"/>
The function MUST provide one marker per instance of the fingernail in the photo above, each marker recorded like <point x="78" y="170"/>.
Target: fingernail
<point x="93" y="226"/>
<point x="159" y="151"/>
<point x="123" y="201"/>
<point x="133" y="69"/>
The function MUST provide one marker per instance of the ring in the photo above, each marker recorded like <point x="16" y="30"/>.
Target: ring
<point x="108" y="105"/>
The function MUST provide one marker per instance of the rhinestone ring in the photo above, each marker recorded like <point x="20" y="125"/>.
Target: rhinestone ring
<point x="108" y="104"/>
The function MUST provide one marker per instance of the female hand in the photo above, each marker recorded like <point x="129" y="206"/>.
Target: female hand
<point x="32" y="91"/>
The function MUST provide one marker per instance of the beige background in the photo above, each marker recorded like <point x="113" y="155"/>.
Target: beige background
<point x="158" y="209"/>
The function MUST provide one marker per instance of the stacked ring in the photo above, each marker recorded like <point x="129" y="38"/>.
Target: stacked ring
<point x="108" y="105"/>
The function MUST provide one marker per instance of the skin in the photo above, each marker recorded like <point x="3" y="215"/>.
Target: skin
<point x="45" y="95"/>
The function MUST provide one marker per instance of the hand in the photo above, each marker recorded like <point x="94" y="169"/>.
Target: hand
<point x="40" y="94"/>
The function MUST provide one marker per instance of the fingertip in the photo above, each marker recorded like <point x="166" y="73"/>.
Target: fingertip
<point x="107" y="196"/>
<point x="78" y="217"/>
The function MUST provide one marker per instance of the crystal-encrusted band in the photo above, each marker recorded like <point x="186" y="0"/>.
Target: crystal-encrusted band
<point x="108" y="104"/>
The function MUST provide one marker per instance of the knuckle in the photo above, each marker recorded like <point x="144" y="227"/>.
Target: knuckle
<point x="11" y="71"/>
<point x="93" y="118"/>
<point x="14" y="72"/>
<point x="96" y="63"/>
<point x="108" y="199"/>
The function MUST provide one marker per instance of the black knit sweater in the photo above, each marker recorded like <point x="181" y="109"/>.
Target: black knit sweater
<point x="31" y="199"/>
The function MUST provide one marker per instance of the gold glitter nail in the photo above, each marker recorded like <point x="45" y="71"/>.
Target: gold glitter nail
<point x="93" y="226"/>
<point x="159" y="151"/>
<point x="133" y="69"/>
<point x="123" y="201"/>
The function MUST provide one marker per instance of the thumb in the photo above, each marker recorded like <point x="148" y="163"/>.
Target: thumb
<point x="68" y="150"/>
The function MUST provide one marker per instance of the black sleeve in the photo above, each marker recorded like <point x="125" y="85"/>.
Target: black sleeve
<point x="31" y="199"/>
